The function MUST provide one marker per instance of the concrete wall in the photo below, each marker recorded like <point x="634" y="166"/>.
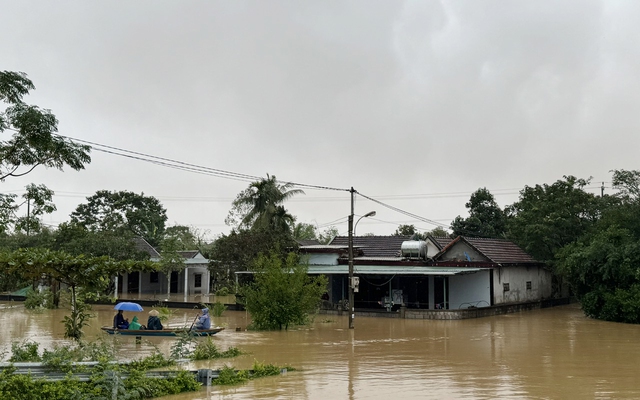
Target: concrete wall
<point x="470" y="290"/>
<point x="458" y="250"/>
<point x="407" y="313"/>
<point x="517" y="278"/>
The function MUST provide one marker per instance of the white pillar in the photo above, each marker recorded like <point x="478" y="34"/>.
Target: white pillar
<point x="115" y="291"/>
<point x="186" y="283"/>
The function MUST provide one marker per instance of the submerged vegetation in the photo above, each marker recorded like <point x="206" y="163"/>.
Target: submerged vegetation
<point x="106" y="380"/>
<point x="230" y="376"/>
<point x="110" y="380"/>
<point x="186" y="346"/>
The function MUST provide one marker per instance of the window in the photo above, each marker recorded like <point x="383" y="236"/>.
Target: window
<point x="505" y="287"/>
<point x="197" y="280"/>
<point x="528" y="285"/>
<point x="153" y="277"/>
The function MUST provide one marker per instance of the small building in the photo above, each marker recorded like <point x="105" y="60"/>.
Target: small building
<point x="434" y="274"/>
<point x="195" y="276"/>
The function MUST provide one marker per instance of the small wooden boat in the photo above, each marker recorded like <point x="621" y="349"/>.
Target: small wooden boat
<point x="162" y="332"/>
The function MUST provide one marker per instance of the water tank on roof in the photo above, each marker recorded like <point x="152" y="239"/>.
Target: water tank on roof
<point x="414" y="249"/>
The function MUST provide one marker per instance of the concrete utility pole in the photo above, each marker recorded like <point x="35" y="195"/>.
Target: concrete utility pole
<point x="351" y="305"/>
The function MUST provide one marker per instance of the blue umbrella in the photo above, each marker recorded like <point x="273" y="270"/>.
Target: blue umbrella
<point x="128" y="306"/>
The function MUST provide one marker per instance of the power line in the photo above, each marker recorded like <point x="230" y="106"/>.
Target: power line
<point x="398" y="210"/>
<point x="181" y="165"/>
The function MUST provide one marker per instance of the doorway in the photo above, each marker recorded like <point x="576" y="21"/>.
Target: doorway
<point x="441" y="292"/>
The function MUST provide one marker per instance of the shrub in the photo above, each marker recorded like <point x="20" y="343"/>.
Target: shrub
<point x="24" y="352"/>
<point x="207" y="350"/>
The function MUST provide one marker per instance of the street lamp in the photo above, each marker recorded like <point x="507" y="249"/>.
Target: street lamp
<point x="352" y="311"/>
<point x="367" y="215"/>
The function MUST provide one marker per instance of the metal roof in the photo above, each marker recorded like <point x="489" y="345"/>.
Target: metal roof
<point x="385" y="270"/>
<point x="374" y="246"/>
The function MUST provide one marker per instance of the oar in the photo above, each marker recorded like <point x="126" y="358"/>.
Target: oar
<point x="194" y="321"/>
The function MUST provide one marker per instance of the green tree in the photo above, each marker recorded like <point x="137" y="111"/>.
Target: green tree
<point x="549" y="217"/>
<point x="183" y="237"/>
<point x="34" y="140"/>
<point x="328" y="234"/>
<point x="603" y="271"/>
<point x="437" y="232"/>
<point x="405" y="230"/>
<point x="627" y="183"/>
<point x="282" y="293"/>
<point x="39" y="202"/>
<point x="77" y="240"/>
<point x="237" y="251"/>
<point x="83" y="276"/>
<point x="260" y="206"/>
<point x="603" y="266"/>
<point x="8" y="208"/>
<point x="304" y="231"/>
<point x="486" y="218"/>
<point x="171" y="260"/>
<point x="123" y="211"/>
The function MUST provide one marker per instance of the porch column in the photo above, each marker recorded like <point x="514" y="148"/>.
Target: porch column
<point x="207" y="281"/>
<point x="115" y="291"/>
<point x="139" y="284"/>
<point x="432" y="301"/>
<point x="186" y="283"/>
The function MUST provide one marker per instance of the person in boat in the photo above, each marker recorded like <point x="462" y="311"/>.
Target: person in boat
<point x="154" y="321"/>
<point x="204" y="322"/>
<point x="120" y="322"/>
<point x="135" y="325"/>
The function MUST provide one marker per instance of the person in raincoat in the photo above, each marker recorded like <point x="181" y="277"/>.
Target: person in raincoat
<point x="154" y="321"/>
<point x="135" y="325"/>
<point x="204" y="322"/>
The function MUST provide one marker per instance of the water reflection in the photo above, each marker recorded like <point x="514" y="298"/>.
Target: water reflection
<point x="551" y="353"/>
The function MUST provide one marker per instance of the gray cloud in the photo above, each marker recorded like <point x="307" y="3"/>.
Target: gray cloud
<point x="393" y="98"/>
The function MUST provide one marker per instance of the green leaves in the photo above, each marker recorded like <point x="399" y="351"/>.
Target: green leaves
<point x="282" y="293"/>
<point x="260" y="206"/>
<point x="35" y="141"/>
<point x="486" y="219"/>
<point x="123" y="211"/>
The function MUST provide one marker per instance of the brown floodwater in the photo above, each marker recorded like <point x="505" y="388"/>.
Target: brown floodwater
<point x="554" y="353"/>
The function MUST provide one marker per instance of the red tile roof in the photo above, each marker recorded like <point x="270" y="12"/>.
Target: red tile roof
<point x="500" y="251"/>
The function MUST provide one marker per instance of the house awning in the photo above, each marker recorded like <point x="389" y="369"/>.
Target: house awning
<point x="385" y="270"/>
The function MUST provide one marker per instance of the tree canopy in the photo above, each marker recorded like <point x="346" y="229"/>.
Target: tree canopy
<point x="38" y="201"/>
<point x="486" y="218"/>
<point x="549" y="217"/>
<point x="304" y="231"/>
<point x="238" y="250"/>
<point x="260" y="206"/>
<point x="602" y="266"/>
<point x="34" y="140"/>
<point x="121" y="211"/>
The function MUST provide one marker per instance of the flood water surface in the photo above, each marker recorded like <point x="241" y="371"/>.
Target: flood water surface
<point x="554" y="353"/>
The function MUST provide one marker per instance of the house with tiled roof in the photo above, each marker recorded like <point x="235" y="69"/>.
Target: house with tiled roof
<point x="439" y="273"/>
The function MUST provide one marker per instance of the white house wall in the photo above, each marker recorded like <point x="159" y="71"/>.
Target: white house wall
<point x="470" y="290"/>
<point x="517" y="278"/>
<point x="204" y="288"/>
<point x="323" y="259"/>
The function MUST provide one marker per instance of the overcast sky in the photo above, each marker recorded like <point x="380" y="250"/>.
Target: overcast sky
<point x="414" y="103"/>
